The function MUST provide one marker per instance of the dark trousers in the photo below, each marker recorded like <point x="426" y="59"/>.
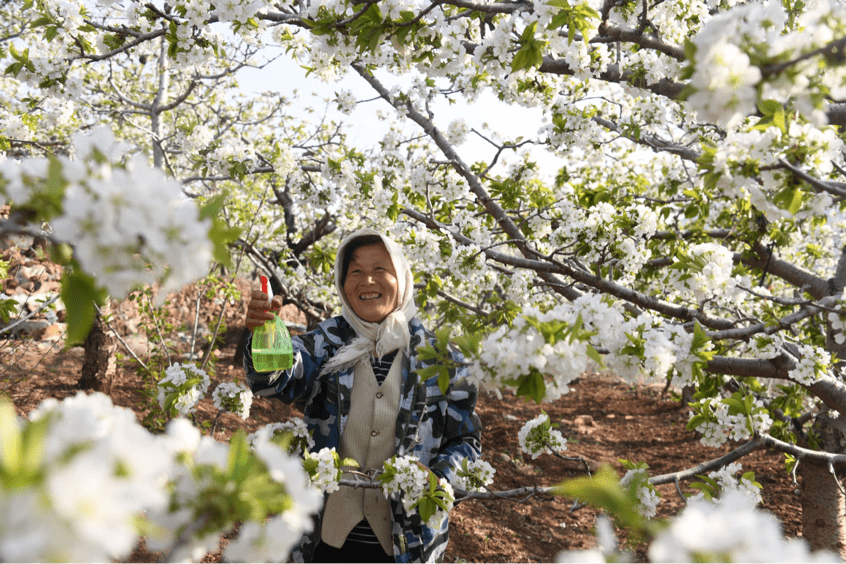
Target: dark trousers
<point x="352" y="551"/>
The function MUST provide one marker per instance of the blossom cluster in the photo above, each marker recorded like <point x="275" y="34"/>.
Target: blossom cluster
<point x="737" y="532"/>
<point x="538" y="436"/>
<point x="418" y="489"/>
<point x="813" y="364"/>
<point x="233" y="398"/>
<point x="94" y="480"/>
<point x="324" y="469"/>
<point x="129" y="224"/>
<point x="475" y="475"/>
<point x="725" y="480"/>
<point x="295" y="428"/>
<point x="646" y="493"/>
<point x="706" y="272"/>
<point x="182" y="388"/>
<point x="730" y="44"/>
<point x="557" y="343"/>
<point x="94" y="468"/>
<point x="522" y="349"/>
<point x="721" y="422"/>
<point x="203" y="479"/>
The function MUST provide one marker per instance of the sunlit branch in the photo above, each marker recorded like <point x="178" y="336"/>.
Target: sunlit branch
<point x="119" y="338"/>
<point x="519" y="494"/>
<point x="807" y="282"/>
<point x="802" y="453"/>
<point x="477" y="310"/>
<point x="834" y="188"/>
<point x="311" y="309"/>
<point x="355" y="16"/>
<point x="830" y="391"/>
<point x="652" y="141"/>
<point x="831" y="49"/>
<point x="43" y="306"/>
<point x="499" y="150"/>
<point x="673" y="235"/>
<point x="709" y="465"/>
<point x="612" y="34"/>
<point x="255" y="170"/>
<point x="771" y="327"/>
<point x="181" y="98"/>
<point x="555" y="267"/>
<point x="146" y="108"/>
<point x="491" y="8"/>
<point x="122" y="49"/>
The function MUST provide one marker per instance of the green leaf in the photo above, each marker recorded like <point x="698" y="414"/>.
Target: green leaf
<point x="42" y="21"/>
<point x="594" y="355"/>
<point x="530" y="53"/>
<point x="790" y="199"/>
<point x="443" y="379"/>
<point x="239" y="461"/>
<point x="80" y="294"/>
<point x="426" y="508"/>
<point x="350" y="463"/>
<point x="710" y="481"/>
<point x="469" y="344"/>
<point x="61" y="254"/>
<point x="735" y="406"/>
<point x="212" y="207"/>
<point x="429" y="371"/>
<point x="22" y="448"/>
<point x="12" y="441"/>
<point x="221" y="235"/>
<point x="696" y="421"/>
<point x="769" y="107"/>
<point x="532" y="386"/>
<point x="427" y="353"/>
<point x="603" y="491"/>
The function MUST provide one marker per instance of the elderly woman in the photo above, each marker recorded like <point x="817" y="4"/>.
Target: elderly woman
<point x="358" y="374"/>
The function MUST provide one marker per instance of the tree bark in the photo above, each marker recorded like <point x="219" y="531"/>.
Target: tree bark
<point x="823" y="501"/>
<point x="99" y="364"/>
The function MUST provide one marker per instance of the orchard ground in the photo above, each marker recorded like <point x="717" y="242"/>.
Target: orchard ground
<point x="603" y="418"/>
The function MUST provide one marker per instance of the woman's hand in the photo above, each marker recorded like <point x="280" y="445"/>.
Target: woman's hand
<point x="256" y="316"/>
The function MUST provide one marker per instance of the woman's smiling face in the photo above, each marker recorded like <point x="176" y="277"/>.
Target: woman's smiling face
<point x="371" y="284"/>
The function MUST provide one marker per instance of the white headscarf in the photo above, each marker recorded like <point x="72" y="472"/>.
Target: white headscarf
<point x="379" y="338"/>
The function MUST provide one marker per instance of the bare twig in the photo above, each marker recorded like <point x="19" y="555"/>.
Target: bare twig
<point x="679" y="491"/>
<point x="22" y="319"/>
<point x="793" y="471"/>
<point x="834" y="475"/>
<point x="129" y="350"/>
<point x="156" y="323"/>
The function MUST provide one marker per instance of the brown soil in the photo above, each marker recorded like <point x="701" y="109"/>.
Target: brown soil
<point x="603" y="418"/>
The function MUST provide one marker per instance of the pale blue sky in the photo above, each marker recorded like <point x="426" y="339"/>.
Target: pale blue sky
<point x="364" y="129"/>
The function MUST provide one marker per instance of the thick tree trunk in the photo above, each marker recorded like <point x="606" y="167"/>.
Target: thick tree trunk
<point x="99" y="364"/>
<point x="823" y="502"/>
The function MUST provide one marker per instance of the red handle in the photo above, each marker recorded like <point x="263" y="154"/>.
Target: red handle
<point x="264" y="286"/>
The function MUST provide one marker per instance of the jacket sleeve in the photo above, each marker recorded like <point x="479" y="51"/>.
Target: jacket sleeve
<point x="462" y="429"/>
<point x="295" y="383"/>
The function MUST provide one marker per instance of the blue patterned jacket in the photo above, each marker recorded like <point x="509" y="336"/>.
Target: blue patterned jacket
<point x="440" y="430"/>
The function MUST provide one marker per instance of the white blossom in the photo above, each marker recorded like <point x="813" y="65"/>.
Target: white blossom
<point x="233" y="398"/>
<point x="535" y="438"/>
